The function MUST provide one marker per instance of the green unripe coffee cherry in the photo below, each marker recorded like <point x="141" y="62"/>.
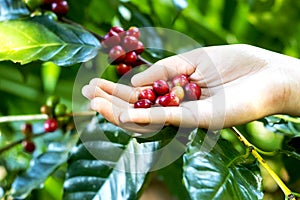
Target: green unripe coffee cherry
<point x="60" y="110"/>
<point x="263" y="138"/>
<point x="51" y="15"/>
<point x="52" y="101"/>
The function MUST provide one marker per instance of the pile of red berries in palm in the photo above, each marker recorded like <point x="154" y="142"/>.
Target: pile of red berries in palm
<point x="169" y="93"/>
<point x="123" y="48"/>
<point x="59" y="7"/>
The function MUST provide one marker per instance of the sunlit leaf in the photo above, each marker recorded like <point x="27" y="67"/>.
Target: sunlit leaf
<point x="40" y="38"/>
<point x="108" y="164"/>
<point x="221" y="173"/>
<point x="42" y="166"/>
<point x="12" y="9"/>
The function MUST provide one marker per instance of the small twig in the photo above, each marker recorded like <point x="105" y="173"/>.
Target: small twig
<point x="15" y="118"/>
<point x="176" y="17"/>
<point x="6" y="119"/>
<point x="144" y="61"/>
<point x="38" y="117"/>
<point x="287" y="192"/>
<point x="288" y="118"/>
<point x="11" y="145"/>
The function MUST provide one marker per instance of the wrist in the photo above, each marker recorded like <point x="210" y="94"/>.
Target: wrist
<point x="291" y="69"/>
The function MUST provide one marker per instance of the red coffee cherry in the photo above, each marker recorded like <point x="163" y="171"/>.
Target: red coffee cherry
<point x="117" y="54"/>
<point x="26" y="129"/>
<point x="133" y="31"/>
<point x="158" y="99"/>
<point x="140" y="48"/>
<point x="60" y="7"/>
<point x="110" y="40"/>
<point x="51" y="1"/>
<point x="192" y="91"/>
<point x="130" y="57"/>
<point x="161" y="87"/>
<point x="143" y="103"/>
<point x="180" y="80"/>
<point x="117" y="29"/>
<point x="122" y="68"/>
<point x="169" y="100"/>
<point x="129" y="43"/>
<point x="28" y="146"/>
<point x="148" y="94"/>
<point x="50" y="125"/>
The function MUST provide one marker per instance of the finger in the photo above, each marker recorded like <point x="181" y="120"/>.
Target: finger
<point x="139" y="129"/>
<point x="124" y="92"/>
<point x="108" y="110"/>
<point x="111" y="112"/>
<point x="177" y="116"/>
<point x="90" y="92"/>
<point x="164" y="69"/>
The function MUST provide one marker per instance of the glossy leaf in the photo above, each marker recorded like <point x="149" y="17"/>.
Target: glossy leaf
<point x="41" y="38"/>
<point x="12" y="9"/>
<point x="108" y="164"/>
<point x="289" y="127"/>
<point x="171" y="175"/>
<point x="43" y="166"/>
<point x="221" y="173"/>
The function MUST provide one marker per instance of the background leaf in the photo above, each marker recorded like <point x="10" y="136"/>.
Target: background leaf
<point x="41" y="38"/>
<point x="221" y="173"/>
<point x="108" y="164"/>
<point x="42" y="166"/>
<point x="12" y="9"/>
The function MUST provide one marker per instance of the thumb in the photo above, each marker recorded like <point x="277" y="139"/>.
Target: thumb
<point x="164" y="69"/>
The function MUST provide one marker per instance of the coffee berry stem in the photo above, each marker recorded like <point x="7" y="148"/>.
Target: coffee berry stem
<point x="38" y="117"/>
<point x="287" y="192"/>
<point x="11" y="145"/>
<point x="145" y="61"/>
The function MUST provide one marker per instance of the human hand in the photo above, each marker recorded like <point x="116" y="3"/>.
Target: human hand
<point x="240" y="83"/>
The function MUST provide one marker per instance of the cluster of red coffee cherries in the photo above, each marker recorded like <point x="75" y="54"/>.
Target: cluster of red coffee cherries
<point x="28" y="144"/>
<point x="57" y="116"/>
<point x="59" y="7"/>
<point x="169" y="93"/>
<point x="123" y="48"/>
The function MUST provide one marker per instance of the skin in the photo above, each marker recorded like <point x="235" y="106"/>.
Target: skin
<point x="240" y="83"/>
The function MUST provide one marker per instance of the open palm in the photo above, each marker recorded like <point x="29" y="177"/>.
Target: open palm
<point x="239" y="83"/>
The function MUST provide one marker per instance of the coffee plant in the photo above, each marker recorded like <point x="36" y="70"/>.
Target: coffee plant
<point x="53" y="147"/>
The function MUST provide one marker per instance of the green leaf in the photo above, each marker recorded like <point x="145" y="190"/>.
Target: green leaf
<point x="171" y="175"/>
<point x="107" y="164"/>
<point x="221" y="173"/>
<point x="40" y="38"/>
<point x="42" y="166"/>
<point x="228" y="14"/>
<point x="50" y="76"/>
<point x="12" y="9"/>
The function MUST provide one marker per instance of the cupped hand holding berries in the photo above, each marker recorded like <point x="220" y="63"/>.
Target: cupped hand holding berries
<point x="239" y="83"/>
